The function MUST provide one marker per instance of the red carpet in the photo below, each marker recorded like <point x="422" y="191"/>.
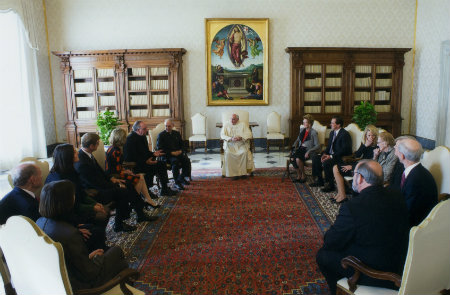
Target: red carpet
<point x="252" y="236"/>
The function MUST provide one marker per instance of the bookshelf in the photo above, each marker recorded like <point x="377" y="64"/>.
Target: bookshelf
<point x="137" y="84"/>
<point x="328" y="81"/>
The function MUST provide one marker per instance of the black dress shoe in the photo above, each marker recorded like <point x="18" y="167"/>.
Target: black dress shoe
<point x="244" y="177"/>
<point x="235" y="177"/>
<point x="316" y="184"/>
<point x="343" y="201"/>
<point x="184" y="181"/>
<point x="144" y="217"/>
<point x="123" y="227"/>
<point x="328" y="188"/>
<point x="178" y="185"/>
<point x="167" y="192"/>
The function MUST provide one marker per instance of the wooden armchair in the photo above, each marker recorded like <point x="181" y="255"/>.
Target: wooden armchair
<point x="427" y="266"/>
<point x="36" y="264"/>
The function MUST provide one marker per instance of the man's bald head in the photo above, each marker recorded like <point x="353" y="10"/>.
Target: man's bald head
<point x="371" y="171"/>
<point x="410" y="148"/>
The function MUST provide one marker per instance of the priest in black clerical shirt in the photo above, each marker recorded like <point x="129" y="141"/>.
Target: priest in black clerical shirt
<point x="171" y="143"/>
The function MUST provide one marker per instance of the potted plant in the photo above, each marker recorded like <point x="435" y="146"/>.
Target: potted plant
<point x="107" y="121"/>
<point x="364" y="114"/>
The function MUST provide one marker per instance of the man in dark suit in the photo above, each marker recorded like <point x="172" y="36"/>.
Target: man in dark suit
<point x="171" y="143"/>
<point x="136" y="150"/>
<point x="109" y="189"/>
<point x="417" y="184"/>
<point x="372" y="226"/>
<point x="339" y="145"/>
<point x="27" y="178"/>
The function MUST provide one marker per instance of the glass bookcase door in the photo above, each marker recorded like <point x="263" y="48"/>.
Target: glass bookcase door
<point x="383" y="88"/>
<point x="312" y="89"/>
<point x="83" y="92"/>
<point x="106" y="89"/>
<point x="159" y="91"/>
<point x="333" y="88"/>
<point x="137" y="92"/>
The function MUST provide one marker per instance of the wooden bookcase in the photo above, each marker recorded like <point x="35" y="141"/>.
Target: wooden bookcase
<point x="137" y="84"/>
<point x="331" y="81"/>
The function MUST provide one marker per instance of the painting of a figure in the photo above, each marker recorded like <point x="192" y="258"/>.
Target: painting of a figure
<point x="237" y="67"/>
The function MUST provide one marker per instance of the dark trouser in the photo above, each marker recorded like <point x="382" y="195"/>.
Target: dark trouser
<point x="113" y="263"/>
<point x="151" y="170"/>
<point x="329" y="263"/>
<point x="181" y="162"/>
<point x="327" y="167"/>
<point x="123" y="198"/>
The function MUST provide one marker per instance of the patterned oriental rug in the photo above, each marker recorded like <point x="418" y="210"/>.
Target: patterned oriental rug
<point x="250" y="236"/>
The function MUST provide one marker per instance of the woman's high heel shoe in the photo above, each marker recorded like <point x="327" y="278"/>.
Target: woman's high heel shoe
<point x="148" y="206"/>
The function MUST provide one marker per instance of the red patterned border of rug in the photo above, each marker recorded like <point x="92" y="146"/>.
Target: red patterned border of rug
<point x="251" y="236"/>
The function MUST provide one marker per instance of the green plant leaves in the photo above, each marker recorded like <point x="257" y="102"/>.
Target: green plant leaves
<point x="106" y="122"/>
<point x="364" y="114"/>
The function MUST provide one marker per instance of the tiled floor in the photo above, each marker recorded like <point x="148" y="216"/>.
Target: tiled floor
<point x="200" y="161"/>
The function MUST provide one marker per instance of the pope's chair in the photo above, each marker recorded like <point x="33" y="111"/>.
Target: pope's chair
<point x="274" y="131"/>
<point x="198" y="132"/>
<point x="427" y="266"/>
<point x="35" y="264"/>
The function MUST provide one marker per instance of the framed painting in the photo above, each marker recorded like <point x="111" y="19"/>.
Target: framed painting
<point x="237" y="61"/>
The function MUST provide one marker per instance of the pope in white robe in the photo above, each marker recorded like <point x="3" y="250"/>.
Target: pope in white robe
<point x="238" y="158"/>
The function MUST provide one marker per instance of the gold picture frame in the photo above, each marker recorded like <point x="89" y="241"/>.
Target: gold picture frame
<point x="237" y="61"/>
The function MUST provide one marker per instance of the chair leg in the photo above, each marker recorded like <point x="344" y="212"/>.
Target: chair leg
<point x="191" y="146"/>
<point x="206" y="146"/>
<point x="268" y="146"/>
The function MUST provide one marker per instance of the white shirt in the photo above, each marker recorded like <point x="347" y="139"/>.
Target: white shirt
<point x="29" y="192"/>
<point x="407" y="170"/>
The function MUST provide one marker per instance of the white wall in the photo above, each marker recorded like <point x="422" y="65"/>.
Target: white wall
<point x="117" y="24"/>
<point x="433" y="27"/>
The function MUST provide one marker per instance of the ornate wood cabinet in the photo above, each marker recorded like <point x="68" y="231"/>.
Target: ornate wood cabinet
<point x="137" y="84"/>
<point x="331" y="81"/>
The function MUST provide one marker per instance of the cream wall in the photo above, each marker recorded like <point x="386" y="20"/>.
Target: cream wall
<point x="114" y="24"/>
<point x="433" y="27"/>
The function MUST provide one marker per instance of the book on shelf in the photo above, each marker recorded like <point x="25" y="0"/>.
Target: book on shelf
<point x="314" y="69"/>
<point x="362" y="95"/>
<point x="382" y="95"/>
<point x="333" y="81"/>
<point x="383" y="108"/>
<point x="363" y="69"/>
<point x="137" y="85"/>
<point x="159" y="71"/>
<point x="383" y="82"/>
<point x="86" y="115"/>
<point x="83" y="87"/>
<point x="103" y="73"/>
<point x="138" y="100"/>
<point x="82" y="74"/>
<point x="107" y="100"/>
<point x="161" y="113"/>
<point x="363" y="82"/>
<point x="139" y="113"/>
<point x="105" y="86"/>
<point x="312" y="109"/>
<point x="316" y="82"/>
<point x="138" y="71"/>
<point x="159" y="84"/>
<point x="332" y="109"/>
<point x="333" y="96"/>
<point x="384" y="69"/>
<point x="85" y="101"/>
<point x="160" y="99"/>
<point x="313" y="96"/>
<point x="334" y="69"/>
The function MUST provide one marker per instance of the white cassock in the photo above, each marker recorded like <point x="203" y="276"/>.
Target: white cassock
<point x="238" y="156"/>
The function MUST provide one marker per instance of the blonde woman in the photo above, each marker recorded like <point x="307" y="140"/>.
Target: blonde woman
<point x="114" y="160"/>
<point x="365" y="151"/>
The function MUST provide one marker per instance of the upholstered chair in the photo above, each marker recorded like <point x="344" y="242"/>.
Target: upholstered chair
<point x="274" y="131"/>
<point x="198" y="131"/>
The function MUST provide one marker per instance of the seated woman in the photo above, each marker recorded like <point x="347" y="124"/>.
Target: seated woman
<point x="308" y="144"/>
<point x="114" y="161"/>
<point x="85" y="270"/>
<point x="91" y="217"/>
<point x="365" y="151"/>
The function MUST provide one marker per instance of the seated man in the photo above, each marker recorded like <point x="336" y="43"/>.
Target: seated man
<point x="372" y="227"/>
<point x="109" y="189"/>
<point x="171" y="143"/>
<point x="27" y="178"/>
<point x="136" y="150"/>
<point x="417" y="184"/>
<point x="339" y="145"/>
<point x="238" y="160"/>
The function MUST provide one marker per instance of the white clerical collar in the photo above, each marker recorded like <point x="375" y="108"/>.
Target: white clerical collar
<point x="407" y="170"/>
<point x="29" y="192"/>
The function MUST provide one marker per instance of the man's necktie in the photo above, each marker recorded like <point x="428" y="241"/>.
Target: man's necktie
<point x="332" y="142"/>
<point x="402" y="182"/>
